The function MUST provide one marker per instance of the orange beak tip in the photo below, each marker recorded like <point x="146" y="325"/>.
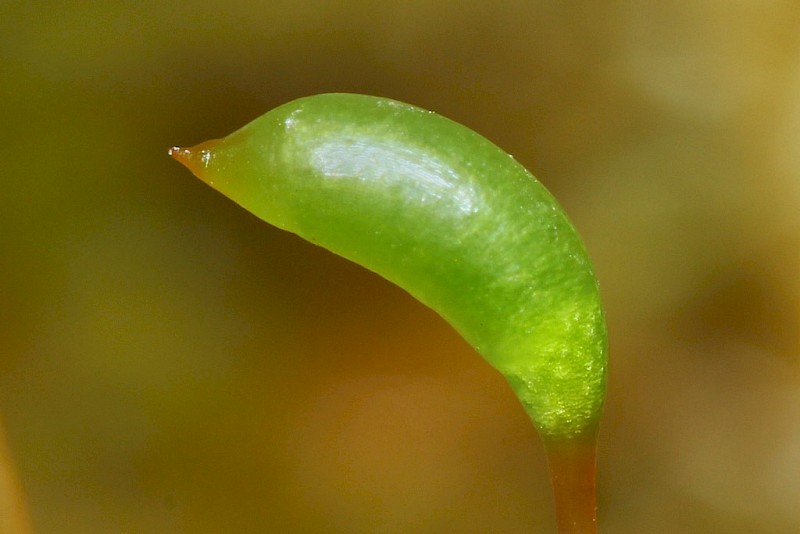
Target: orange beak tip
<point x="195" y="158"/>
<point x="180" y="154"/>
<point x="187" y="158"/>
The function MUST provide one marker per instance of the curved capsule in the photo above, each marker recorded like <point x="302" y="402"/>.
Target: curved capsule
<point x="443" y="213"/>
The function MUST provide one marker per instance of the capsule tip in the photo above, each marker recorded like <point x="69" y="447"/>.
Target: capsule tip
<point x="197" y="158"/>
<point x="183" y="155"/>
<point x="191" y="159"/>
<point x="175" y="151"/>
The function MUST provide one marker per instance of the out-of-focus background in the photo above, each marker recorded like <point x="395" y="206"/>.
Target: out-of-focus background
<point x="169" y="363"/>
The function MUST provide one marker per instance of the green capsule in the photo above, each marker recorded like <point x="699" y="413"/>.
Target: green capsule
<point x="445" y="214"/>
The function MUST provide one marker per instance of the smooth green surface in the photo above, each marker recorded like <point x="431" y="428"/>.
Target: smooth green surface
<point x="444" y="213"/>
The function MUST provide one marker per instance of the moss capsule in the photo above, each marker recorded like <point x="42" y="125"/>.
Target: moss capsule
<point x="445" y="214"/>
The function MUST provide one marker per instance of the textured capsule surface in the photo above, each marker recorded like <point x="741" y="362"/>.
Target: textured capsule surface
<point x="445" y="214"/>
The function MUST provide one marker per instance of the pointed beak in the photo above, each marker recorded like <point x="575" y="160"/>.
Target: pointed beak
<point x="196" y="158"/>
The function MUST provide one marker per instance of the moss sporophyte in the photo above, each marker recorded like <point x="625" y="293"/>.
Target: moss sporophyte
<point x="454" y="220"/>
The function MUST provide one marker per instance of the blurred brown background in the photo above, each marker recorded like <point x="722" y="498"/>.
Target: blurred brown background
<point x="169" y="363"/>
